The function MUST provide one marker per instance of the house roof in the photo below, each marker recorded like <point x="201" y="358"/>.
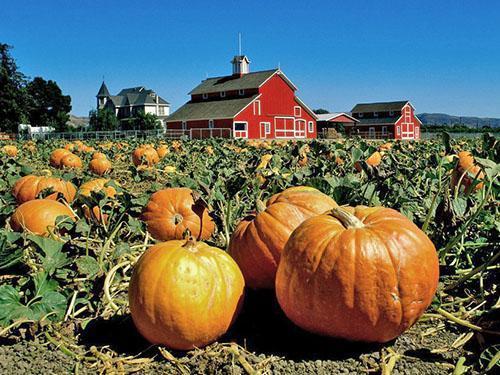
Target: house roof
<point x="379" y="107"/>
<point x="333" y="116"/>
<point x="216" y="109"/>
<point x="103" y="91"/>
<point x="135" y="96"/>
<point x="236" y="82"/>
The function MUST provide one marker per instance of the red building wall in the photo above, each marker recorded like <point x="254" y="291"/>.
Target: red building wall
<point x="407" y="127"/>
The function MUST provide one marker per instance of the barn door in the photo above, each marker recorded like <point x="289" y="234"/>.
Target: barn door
<point x="300" y="128"/>
<point x="407" y="126"/>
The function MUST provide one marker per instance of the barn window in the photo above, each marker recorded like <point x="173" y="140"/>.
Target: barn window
<point x="211" y="124"/>
<point x="205" y="96"/>
<point x="297" y="111"/>
<point x="391" y="113"/>
<point x="375" y="114"/>
<point x="384" y="130"/>
<point x="256" y="108"/>
<point x="310" y="126"/>
<point x="240" y="130"/>
<point x="184" y="125"/>
<point x="398" y="130"/>
<point x="241" y="92"/>
<point x="222" y="94"/>
<point x="267" y="127"/>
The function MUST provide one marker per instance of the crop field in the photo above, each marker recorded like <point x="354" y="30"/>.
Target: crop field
<point x="64" y="289"/>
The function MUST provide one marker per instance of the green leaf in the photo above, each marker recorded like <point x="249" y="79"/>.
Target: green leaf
<point x="11" y="307"/>
<point x="356" y="154"/>
<point x="87" y="265"/>
<point x="53" y="257"/>
<point x="459" y="205"/>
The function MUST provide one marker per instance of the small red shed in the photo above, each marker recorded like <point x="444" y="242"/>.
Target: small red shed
<point x="333" y="121"/>
<point x="259" y="105"/>
<point x="395" y="120"/>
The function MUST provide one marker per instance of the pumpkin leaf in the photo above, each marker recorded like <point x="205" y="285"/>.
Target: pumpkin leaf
<point x="53" y="257"/>
<point x="87" y="265"/>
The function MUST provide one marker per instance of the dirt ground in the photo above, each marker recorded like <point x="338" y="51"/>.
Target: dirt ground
<point x="272" y="343"/>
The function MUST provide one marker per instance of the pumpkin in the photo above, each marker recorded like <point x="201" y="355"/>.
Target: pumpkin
<point x="70" y="161"/>
<point x="100" y="166"/>
<point x="28" y="187"/>
<point x="259" y="239"/>
<point x="385" y="146"/>
<point x="162" y="151"/>
<point x="99" y="155"/>
<point x="467" y="167"/>
<point x="69" y="147"/>
<point x="145" y="155"/>
<point x="96" y="185"/>
<point x="185" y="294"/>
<point x="39" y="216"/>
<point x="362" y="274"/>
<point x="57" y="155"/>
<point x="10" y="150"/>
<point x="374" y="161"/>
<point x="170" y="212"/>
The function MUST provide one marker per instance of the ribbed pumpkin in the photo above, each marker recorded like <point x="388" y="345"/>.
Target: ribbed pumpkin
<point x="57" y="155"/>
<point x="38" y="216"/>
<point x="10" y="150"/>
<point x="466" y="164"/>
<point x="28" y="187"/>
<point x="362" y="274"/>
<point x="145" y="155"/>
<point x="171" y="211"/>
<point x="71" y="161"/>
<point x="185" y="294"/>
<point x="259" y="239"/>
<point x="96" y="185"/>
<point x="373" y="160"/>
<point x="100" y="166"/>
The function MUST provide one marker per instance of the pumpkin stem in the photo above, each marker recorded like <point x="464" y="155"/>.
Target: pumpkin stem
<point x="259" y="206"/>
<point x="347" y="219"/>
<point x="190" y="244"/>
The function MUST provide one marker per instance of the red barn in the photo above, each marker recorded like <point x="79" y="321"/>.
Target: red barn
<point x="259" y="105"/>
<point x="396" y="120"/>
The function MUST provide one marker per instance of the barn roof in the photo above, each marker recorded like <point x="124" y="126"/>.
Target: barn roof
<point x="236" y="82"/>
<point x="216" y="109"/>
<point x="379" y="107"/>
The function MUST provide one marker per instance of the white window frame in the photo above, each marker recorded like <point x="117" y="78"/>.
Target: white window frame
<point x="222" y="94"/>
<point x="398" y="130"/>
<point x="310" y="127"/>
<point x="298" y="132"/>
<point x="267" y="128"/>
<point x="417" y="132"/>
<point x="256" y="104"/>
<point x="295" y="111"/>
<point x="184" y="125"/>
<point x="384" y="130"/>
<point x="375" y="114"/>
<point x="241" y="92"/>
<point x="210" y="124"/>
<point x="242" y="133"/>
<point x="204" y="96"/>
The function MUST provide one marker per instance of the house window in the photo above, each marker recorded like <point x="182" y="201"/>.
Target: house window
<point x="222" y="94"/>
<point x="161" y="111"/>
<point x="375" y="114"/>
<point x="205" y="96"/>
<point x="184" y="125"/>
<point x="360" y="115"/>
<point x="297" y="111"/>
<point x="256" y="108"/>
<point x="241" y="92"/>
<point x="384" y="130"/>
<point x="310" y="126"/>
<point x="398" y="130"/>
<point x="210" y="124"/>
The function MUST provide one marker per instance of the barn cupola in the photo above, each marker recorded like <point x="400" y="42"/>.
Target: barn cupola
<point x="241" y="65"/>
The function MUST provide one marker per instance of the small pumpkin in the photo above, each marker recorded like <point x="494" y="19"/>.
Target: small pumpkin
<point x="39" y="216"/>
<point x="362" y="274"/>
<point x="96" y="185"/>
<point x="170" y="212"/>
<point x="10" y="150"/>
<point x="145" y="156"/>
<point x="99" y="155"/>
<point x="185" y="294"/>
<point x="467" y="167"/>
<point x="259" y="239"/>
<point x="162" y="151"/>
<point x="57" y="155"/>
<point x="71" y="161"/>
<point x="28" y="187"/>
<point x="100" y="166"/>
<point x="373" y="160"/>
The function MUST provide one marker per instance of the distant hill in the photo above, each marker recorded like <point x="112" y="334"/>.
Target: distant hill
<point x="444" y="119"/>
<point x="76" y="121"/>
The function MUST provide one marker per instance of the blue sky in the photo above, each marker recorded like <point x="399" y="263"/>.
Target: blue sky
<point x="442" y="55"/>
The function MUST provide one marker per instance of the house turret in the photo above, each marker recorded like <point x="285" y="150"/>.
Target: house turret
<point x="102" y="96"/>
<point x="241" y="65"/>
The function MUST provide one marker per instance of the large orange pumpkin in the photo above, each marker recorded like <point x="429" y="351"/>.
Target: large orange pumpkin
<point x="39" y="216"/>
<point x="57" y="155"/>
<point x="170" y="212"/>
<point x="362" y="274"/>
<point x="28" y="187"/>
<point x="100" y="166"/>
<point x="259" y="239"/>
<point x="185" y="294"/>
<point x="145" y="155"/>
<point x="467" y="167"/>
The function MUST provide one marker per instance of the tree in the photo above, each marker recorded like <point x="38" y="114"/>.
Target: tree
<point x="146" y="121"/>
<point x="47" y="104"/>
<point x="13" y="95"/>
<point x="105" y="119"/>
<point x="321" y="111"/>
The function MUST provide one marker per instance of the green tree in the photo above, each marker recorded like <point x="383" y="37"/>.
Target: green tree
<point x="105" y="119"/>
<point x="13" y="97"/>
<point x="320" y="111"/>
<point x="146" y="121"/>
<point x="47" y="104"/>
